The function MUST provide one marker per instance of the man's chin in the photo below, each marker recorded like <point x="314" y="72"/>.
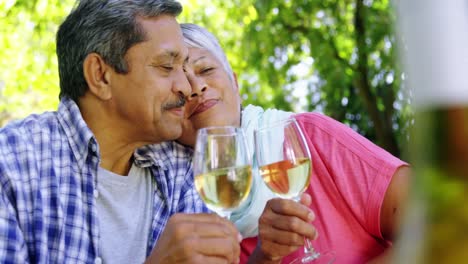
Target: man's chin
<point x="188" y="134"/>
<point x="187" y="141"/>
<point x="167" y="130"/>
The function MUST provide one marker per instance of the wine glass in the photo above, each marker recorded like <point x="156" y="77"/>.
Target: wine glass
<point x="285" y="164"/>
<point x="222" y="168"/>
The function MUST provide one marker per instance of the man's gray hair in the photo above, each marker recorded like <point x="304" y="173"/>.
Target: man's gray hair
<point x="198" y="37"/>
<point x="106" y="27"/>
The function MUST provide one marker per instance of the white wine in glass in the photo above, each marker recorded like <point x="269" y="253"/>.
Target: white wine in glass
<point x="286" y="178"/>
<point x="222" y="168"/>
<point x="285" y="165"/>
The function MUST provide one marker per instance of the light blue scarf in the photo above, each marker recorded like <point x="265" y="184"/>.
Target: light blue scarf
<point x="246" y="217"/>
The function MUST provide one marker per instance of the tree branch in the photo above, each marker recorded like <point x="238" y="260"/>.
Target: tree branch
<point x="362" y="82"/>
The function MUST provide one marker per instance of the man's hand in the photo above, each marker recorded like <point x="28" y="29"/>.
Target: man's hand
<point x="282" y="228"/>
<point x="197" y="238"/>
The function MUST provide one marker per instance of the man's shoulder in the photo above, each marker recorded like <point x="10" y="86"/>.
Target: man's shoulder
<point x="29" y="129"/>
<point x="25" y="145"/>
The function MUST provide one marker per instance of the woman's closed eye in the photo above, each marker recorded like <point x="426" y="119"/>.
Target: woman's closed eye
<point x="207" y="70"/>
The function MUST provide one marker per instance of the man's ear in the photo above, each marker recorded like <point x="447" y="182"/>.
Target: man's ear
<point x="97" y="73"/>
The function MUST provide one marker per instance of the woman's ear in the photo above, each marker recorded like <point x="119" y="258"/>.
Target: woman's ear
<point x="96" y="73"/>
<point x="236" y="84"/>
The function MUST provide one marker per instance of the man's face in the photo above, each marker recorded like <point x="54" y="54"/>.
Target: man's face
<point x="215" y="99"/>
<point x="148" y="99"/>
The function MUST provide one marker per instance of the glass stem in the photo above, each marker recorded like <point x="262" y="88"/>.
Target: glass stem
<point x="225" y="214"/>
<point x="308" y="248"/>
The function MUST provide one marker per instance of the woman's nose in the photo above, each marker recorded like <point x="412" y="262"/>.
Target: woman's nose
<point x="198" y="88"/>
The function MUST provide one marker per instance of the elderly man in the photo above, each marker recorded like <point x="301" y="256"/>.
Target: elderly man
<point x="71" y="188"/>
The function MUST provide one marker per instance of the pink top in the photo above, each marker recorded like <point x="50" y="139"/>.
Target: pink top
<point x="350" y="178"/>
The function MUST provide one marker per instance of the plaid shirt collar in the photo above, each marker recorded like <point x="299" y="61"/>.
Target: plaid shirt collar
<point x="162" y="155"/>
<point x="80" y="137"/>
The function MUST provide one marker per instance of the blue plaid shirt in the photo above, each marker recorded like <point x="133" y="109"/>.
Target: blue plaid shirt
<point x="48" y="169"/>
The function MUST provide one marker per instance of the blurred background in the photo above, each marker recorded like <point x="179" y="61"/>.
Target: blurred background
<point x="334" y="57"/>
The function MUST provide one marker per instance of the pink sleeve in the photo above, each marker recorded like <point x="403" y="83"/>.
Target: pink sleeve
<point x="350" y="168"/>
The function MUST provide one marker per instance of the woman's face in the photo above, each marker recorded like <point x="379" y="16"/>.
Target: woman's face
<point x="215" y="99"/>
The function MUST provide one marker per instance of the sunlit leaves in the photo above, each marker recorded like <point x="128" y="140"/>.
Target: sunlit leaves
<point x="29" y="66"/>
<point x="297" y="55"/>
<point x="270" y="52"/>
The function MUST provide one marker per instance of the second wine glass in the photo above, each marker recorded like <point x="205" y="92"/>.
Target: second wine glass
<point x="285" y="164"/>
<point x="222" y="168"/>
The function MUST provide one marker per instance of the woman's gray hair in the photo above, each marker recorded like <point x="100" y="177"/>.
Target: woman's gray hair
<point x="198" y="37"/>
<point x="106" y="27"/>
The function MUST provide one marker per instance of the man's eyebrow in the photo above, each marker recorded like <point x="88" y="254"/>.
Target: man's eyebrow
<point x="167" y="54"/>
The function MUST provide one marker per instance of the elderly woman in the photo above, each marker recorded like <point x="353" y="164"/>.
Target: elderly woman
<point x="358" y="189"/>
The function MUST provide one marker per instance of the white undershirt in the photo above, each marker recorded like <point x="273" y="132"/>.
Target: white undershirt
<point x="124" y="209"/>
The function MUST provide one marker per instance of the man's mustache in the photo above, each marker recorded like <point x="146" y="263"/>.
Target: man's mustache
<point x="179" y="103"/>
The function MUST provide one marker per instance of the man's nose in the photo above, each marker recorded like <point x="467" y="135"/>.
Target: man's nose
<point x="182" y="85"/>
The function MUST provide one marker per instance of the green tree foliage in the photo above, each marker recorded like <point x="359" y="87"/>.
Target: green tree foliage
<point x="336" y="57"/>
<point x="28" y="75"/>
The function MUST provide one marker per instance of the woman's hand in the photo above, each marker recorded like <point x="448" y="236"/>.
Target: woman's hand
<point x="282" y="228"/>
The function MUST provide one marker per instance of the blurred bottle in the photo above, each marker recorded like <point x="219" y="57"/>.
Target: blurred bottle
<point x="434" y="51"/>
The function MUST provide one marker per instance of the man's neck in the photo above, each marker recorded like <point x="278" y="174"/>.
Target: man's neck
<point x="115" y="146"/>
<point x="116" y="152"/>
<point x="119" y="161"/>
